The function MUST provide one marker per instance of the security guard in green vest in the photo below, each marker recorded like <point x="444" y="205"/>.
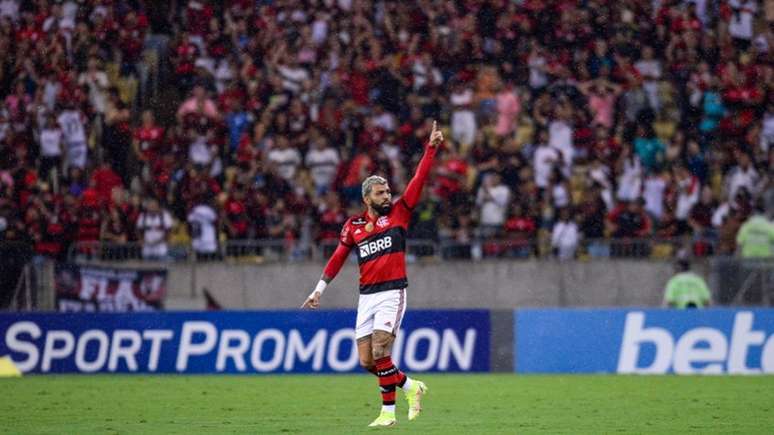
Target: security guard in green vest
<point x="755" y="238"/>
<point x="686" y="289"/>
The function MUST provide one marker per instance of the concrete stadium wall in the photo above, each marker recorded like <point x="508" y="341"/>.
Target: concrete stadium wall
<point x="486" y="284"/>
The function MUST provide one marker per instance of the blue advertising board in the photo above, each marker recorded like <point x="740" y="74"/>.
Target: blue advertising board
<point x="713" y="341"/>
<point x="236" y="342"/>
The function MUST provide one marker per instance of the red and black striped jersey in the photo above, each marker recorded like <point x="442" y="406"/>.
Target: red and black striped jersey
<point x="380" y="243"/>
<point x="381" y="252"/>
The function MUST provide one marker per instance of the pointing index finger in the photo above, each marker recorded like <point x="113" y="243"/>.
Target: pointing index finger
<point x="434" y="126"/>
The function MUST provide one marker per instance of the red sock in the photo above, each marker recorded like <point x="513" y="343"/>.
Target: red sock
<point x="388" y="378"/>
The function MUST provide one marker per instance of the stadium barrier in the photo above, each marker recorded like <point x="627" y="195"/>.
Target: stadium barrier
<point x="280" y="250"/>
<point x="236" y="342"/>
<point x="627" y="341"/>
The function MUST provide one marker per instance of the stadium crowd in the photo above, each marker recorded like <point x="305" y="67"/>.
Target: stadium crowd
<point x="567" y="120"/>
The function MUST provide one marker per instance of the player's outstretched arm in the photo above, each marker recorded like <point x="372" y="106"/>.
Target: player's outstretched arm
<point x="414" y="188"/>
<point x="331" y="270"/>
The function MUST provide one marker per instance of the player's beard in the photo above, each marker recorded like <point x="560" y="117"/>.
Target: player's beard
<point x="382" y="209"/>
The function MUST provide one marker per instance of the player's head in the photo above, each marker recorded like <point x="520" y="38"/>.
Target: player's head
<point x="377" y="195"/>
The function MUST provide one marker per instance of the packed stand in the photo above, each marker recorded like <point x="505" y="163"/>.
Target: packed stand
<point x="569" y="123"/>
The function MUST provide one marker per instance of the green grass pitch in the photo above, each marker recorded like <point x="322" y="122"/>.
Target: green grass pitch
<point x="456" y="404"/>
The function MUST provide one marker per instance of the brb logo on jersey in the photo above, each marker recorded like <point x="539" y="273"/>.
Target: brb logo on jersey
<point x="375" y="246"/>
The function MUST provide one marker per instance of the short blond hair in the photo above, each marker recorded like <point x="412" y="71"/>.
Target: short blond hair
<point x="369" y="182"/>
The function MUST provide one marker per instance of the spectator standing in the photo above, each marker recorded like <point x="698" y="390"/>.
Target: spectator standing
<point x="285" y="159"/>
<point x="743" y="175"/>
<point x="118" y="133"/>
<point x="565" y="236"/>
<point x="741" y="25"/>
<point x="115" y="232"/>
<point x="50" y="138"/>
<point x="508" y="110"/>
<point x="545" y="159"/>
<point x="650" y="69"/>
<point x="560" y="135"/>
<point x="463" y="120"/>
<point x="202" y="224"/>
<point x="96" y="80"/>
<point x="756" y="237"/>
<point x="492" y="199"/>
<point x="631" y="174"/>
<point x="323" y="162"/>
<point x="648" y="147"/>
<point x="73" y="125"/>
<point x="154" y="223"/>
<point x="688" y="192"/>
<point x="148" y="143"/>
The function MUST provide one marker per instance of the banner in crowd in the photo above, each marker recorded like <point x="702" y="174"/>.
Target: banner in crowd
<point x="91" y="288"/>
<point x="713" y="341"/>
<point x="236" y="342"/>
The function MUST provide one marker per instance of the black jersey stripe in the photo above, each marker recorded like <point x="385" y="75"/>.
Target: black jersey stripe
<point x="395" y="284"/>
<point x="387" y="242"/>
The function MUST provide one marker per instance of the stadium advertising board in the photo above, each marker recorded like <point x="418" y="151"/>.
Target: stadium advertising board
<point x="235" y="342"/>
<point x="713" y="341"/>
<point x="91" y="288"/>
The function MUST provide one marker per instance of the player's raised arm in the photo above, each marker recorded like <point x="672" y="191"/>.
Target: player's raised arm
<point x="332" y="268"/>
<point x="414" y="187"/>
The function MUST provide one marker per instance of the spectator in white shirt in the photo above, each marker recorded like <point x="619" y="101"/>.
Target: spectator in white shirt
<point x="285" y="159"/>
<point x="201" y="151"/>
<point x="599" y="174"/>
<point x="630" y="178"/>
<point x="424" y="73"/>
<point x="767" y="131"/>
<point x="320" y="28"/>
<point x="293" y="75"/>
<point x="383" y="119"/>
<point x="560" y="133"/>
<point x="463" y="120"/>
<point x="653" y="193"/>
<point x="50" y="138"/>
<point x="155" y="224"/>
<point x="538" y="77"/>
<point x="97" y="82"/>
<point x="9" y="9"/>
<point x="743" y="175"/>
<point x="544" y="160"/>
<point x="741" y="25"/>
<point x="202" y="223"/>
<point x="323" y="162"/>
<point x="565" y="235"/>
<point x="492" y="199"/>
<point x="650" y="69"/>
<point x="559" y="190"/>
<point x="688" y="191"/>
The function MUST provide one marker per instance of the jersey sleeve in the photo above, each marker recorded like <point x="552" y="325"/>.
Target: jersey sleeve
<point x="404" y="207"/>
<point x="413" y="191"/>
<point x="336" y="262"/>
<point x="345" y="237"/>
